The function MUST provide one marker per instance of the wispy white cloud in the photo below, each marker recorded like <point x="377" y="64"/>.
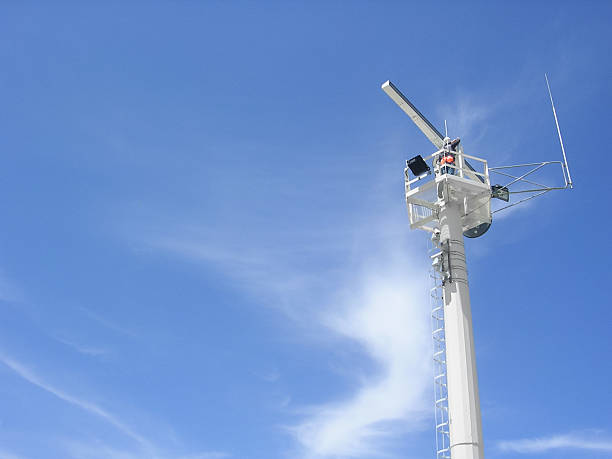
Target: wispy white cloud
<point x="266" y="275"/>
<point x="30" y="376"/>
<point x="379" y="302"/>
<point x="466" y="118"/>
<point x="569" y="441"/>
<point x="471" y="115"/>
<point x="384" y="311"/>
<point x="83" y="349"/>
<point x="144" y="448"/>
<point x="7" y="455"/>
<point x="105" y="322"/>
<point x="98" y="450"/>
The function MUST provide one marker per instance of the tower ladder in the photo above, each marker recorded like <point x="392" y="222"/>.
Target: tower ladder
<point x="439" y="359"/>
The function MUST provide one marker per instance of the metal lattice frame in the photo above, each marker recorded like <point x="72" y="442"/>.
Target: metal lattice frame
<point x="536" y="189"/>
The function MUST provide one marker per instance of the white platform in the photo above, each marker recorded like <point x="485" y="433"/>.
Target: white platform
<point x="470" y="188"/>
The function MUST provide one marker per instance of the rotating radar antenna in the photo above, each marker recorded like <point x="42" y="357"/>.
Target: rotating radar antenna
<point x="449" y="193"/>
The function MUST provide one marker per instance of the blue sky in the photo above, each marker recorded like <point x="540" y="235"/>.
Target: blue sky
<point x="205" y="251"/>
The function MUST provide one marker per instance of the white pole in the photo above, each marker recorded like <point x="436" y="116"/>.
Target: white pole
<point x="463" y="402"/>
<point x="569" y="177"/>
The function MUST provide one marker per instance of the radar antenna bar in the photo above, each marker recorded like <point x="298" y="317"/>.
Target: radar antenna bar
<point x="415" y="115"/>
<point x="419" y="119"/>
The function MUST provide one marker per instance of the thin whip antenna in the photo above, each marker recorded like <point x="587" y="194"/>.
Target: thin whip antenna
<point x="445" y="129"/>
<point x="569" y="177"/>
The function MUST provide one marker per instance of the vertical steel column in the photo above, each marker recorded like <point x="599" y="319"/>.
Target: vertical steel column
<point x="463" y="401"/>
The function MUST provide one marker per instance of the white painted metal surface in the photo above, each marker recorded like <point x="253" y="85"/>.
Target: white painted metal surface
<point x="464" y="417"/>
<point x="465" y="424"/>
<point x="472" y="187"/>
<point x="455" y="199"/>
<point x="422" y="123"/>
<point x="452" y="202"/>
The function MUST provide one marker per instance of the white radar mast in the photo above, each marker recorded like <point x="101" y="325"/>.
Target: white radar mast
<point x="449" y="194"/>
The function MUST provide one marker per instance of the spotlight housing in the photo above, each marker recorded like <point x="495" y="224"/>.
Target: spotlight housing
<point x="418" y="166"/>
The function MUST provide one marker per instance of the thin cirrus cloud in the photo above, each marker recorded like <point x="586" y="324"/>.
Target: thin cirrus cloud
<point x="145" y="449"/>
<point x="382" y="314"/>
<point x="569" y="441"/>
<point x="102" y="451"/>
<point x="31" y="377"/>
<point x="82" y="349"/>
<point x="379" y="303"/>
<point x="8" y="455"/>
<point x="261" y="274"/>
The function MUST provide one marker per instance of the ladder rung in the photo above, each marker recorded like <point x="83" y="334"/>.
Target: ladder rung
<point x="440" y="377"/>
